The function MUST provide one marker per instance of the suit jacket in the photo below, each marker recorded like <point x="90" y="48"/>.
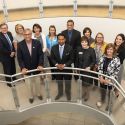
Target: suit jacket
<point x="67" y="57"/>
<point x="75" y="39"/>
<point x="30" y="61"/>
<point x="5" y="49"/>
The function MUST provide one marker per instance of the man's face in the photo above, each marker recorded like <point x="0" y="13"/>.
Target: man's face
<point x="4" y="29"/>
<point x="61" y="40"/>
<point x="70" y="25"/>
<point x="28" y="35"/>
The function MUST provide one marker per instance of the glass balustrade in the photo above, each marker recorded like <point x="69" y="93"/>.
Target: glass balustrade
<point x="17" y="97"/>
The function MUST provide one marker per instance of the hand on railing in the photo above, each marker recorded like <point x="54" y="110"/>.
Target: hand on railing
<point x="40" y="68"/>
<point x="24" y="71"/>
<point x="60" y="66"/>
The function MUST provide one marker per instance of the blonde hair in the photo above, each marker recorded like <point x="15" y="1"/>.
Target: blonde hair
<point x="17" y="26"/>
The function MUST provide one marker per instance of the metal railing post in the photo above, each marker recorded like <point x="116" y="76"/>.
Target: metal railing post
<point x="5" y="11"/>
<point x="75" y="7"/>
<point x="110" y="8"/>
<point x="41" y="8"/>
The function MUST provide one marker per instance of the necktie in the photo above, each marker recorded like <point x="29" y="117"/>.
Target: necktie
<point x="69" y="35"/>
<point x="61" y="51"/>
<point x="9" y="41"/>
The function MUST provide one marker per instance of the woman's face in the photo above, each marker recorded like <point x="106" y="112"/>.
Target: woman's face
<point x="20" y="30"/>
<point x="36" y="29"/>
<point x="99" y="38"/>
<point x="52" y="31"/>
<point x="84" y="44"/>
<point x="87" y="34"/>
<point x="110" y="51"/>
<point x="118" y="40"/>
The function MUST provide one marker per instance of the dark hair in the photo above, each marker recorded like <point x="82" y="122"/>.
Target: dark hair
<point x="38" y="26"/>
<point x="52" y="26"/>
<point x="85" y="38"/>
<point x="122" y="36"/>
<point x="87" y="29"/>
<point x="2" y="24"/>
<point x="70" y="21"/>
<point x="110" y="45"/>
<point x="61" y="34"/>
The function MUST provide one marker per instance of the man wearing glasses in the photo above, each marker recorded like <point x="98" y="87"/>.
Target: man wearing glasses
<point x="30" y="57"/>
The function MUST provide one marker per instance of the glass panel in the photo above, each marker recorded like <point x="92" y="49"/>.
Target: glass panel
<point x="30" y="91"/>
<point x="119" y="9"/>
<point x="62" y="88"/>
<point x="27" y="9"/>
<point x="7" y="101"/>
<point x="93" y="8"/>
<point x="118" y="110"/>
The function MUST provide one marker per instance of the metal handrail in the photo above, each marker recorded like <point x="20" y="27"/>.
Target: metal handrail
<point x="114" y="83"/>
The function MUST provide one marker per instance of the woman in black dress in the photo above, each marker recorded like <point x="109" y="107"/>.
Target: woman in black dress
<point x="85" y="59"/>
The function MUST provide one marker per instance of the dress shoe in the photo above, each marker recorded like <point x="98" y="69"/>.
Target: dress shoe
<point x="58" y="97"/>
<point x="31" y="100"/>
<point x="68" y="98"/>
<point x="40" y="97"/>
<point x="10" y="85"/>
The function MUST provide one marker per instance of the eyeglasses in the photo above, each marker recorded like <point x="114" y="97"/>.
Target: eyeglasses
<point x="99" y="37"/>
<point x="28" y="34"/>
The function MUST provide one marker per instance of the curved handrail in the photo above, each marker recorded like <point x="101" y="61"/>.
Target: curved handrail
<point x="77" y="72"/>
<point x="118" y="86"/>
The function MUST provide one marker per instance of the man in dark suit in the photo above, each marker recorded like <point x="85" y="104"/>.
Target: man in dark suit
<point x="7" y="52"/>
<point x="73" y="38"/>
<point x="62" y="56"/>
<point x="30" y="57"/>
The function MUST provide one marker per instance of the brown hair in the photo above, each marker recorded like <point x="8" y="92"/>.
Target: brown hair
<point x="52" y="26"/>
<point x="38" y="26"/>
<point x="110" y="45"/>
<point x="85" y="38"/>
<point x="18" y="25"/>
<point x="2" y="24"/>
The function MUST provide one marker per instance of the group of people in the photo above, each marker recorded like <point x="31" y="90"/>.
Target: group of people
<point x="67" y="49"/>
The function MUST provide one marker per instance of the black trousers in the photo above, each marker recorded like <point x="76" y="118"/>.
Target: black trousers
<point x="104" y="90"/>
<point x="67" y="79"/>
<point x="9" y="68"/>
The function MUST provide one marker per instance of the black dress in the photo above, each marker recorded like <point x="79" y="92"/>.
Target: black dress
<point x="85" y="58"/>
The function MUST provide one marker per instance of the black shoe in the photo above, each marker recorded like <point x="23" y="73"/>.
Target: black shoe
<point x="53" y="78"/>
<point x="58" y="96"/>
<point x="31" y="100"/>
<point x="68" y="98"/>
<point x="9" y="85"/>
<point x="40" y="97"/>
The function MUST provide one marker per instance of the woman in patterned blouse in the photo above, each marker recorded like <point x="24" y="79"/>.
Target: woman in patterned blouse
<point x="109" y="65"/>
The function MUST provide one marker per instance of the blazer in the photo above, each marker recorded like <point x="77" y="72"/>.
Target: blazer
<point x="5" y="49"/>
<point x="113" y="67"/>
<point x="67" y="57"/>
<point x="26" y="60"/>
<point x="75" y="39"/>
<point x="85" y="58"/>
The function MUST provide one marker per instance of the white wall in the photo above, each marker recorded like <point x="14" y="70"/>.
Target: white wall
<point x="109" y="27"/>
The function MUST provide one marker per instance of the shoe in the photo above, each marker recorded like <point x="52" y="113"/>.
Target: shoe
<point x="40" y="97"/>
<point x="68" y="98"/>
<point x="31" y="100"/>
<point x="10" y="85"/>
<point x="99" y="104"/>
<point x="58" y="97"/>
<point x="53" y="78"/>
